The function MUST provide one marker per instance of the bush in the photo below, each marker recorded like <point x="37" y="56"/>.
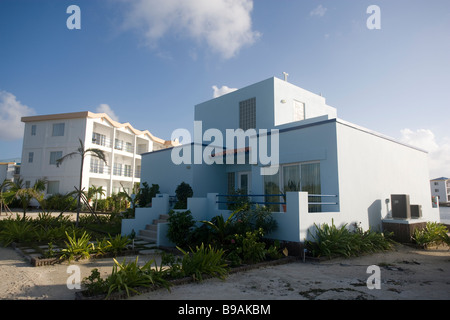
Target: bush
<point x="203" y="260"/>
<point x="333" y="241"/>
<point x="433" y="234"/>
<point x="183" y="192"/>
<point x="180" y="227"/>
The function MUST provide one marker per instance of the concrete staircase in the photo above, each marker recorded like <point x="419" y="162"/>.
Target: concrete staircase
<point x="150" y="233"/>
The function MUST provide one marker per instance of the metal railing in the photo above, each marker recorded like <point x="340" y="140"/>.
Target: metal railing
<point x="312" y="204"/>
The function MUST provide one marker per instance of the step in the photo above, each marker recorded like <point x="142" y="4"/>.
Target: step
<point x="164" y="216"/>
<point x="148" y="233"/>
<point x="152" y="227"/>
<point x="159" y="221"/>
<point x="146" y="239"/>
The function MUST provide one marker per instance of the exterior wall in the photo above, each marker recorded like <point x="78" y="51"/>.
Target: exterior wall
<point x="371" y="168"/>
<point x="158" y="168"/>
<point x="82" y="125"/>
<point x="43" y="143"/>
<point x="274" y="106"/>
<point x="443" y="188"/>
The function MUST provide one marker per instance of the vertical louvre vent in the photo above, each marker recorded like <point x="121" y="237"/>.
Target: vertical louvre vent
<point x="247" y="114"/>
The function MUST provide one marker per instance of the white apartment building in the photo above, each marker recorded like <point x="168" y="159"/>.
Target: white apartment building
<point x="440" y="187"/>
<point x="47" y="138"/>
<point x="9" y="171"/>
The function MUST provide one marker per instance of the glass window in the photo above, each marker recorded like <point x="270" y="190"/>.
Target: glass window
<point x="53" y="187"/>
<point x="231" y="182"/>
<point x="299" y="110"/>
<point x="117" y="170"/>
<point x="33" y="130"/>
<point x="55" y="155"/>
<point x="30" y="157"/>
<point x="272" y="191"/>
<point x="58" y="129"/>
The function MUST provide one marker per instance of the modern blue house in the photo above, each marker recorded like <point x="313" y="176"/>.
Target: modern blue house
<point x="291" y="143"/>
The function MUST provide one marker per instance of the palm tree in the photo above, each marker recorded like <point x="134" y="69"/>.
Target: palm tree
<point x="82" y="152"/>
<point x="25" y="195"/>
<point x="95" y="192"/>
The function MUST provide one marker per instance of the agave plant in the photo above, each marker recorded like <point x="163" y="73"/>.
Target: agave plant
<point x="77" y="247"/>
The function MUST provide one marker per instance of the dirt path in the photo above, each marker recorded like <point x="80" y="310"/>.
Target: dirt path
<point x="405" y="274"/>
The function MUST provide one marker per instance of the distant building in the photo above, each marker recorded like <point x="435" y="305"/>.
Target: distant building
<point x="9" y="171"/>
<point x="440" y="187"/>
<point x="49" y="137"/>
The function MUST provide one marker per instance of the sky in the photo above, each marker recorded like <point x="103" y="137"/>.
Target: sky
<point x="149" y="62"/>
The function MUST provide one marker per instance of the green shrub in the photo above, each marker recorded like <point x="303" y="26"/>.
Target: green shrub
<point x="180" y="227"/>
<point x="183" y="192"/>
<point x="203" y="261"/>
<point x="77" y="247"/>
<point x="17" y="230"/>
<point x="249" y="248"/>
<point x="340" y="241"/>
<point x="433" y="234"/>
<point x="128" y="276"/>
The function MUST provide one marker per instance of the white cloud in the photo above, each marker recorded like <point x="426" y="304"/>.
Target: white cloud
<point x="104" y="108"/>
<point x="11" y="112"/>
<point x="221" y="91"/>
<point x="319" y="11"/>
<point x="224" y="25"/>
<point x="438" y="151"/>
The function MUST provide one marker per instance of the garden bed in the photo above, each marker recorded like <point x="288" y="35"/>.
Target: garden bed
<point x="81" y="295"/>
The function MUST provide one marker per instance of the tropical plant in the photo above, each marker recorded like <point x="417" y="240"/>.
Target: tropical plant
<point x="204" y="261"/>
<point x="180" y="227"/>
<point x="146" y="194"/>
<point x="128" y="276"/>
<point x="117" y="244"/>
<point x="25" y="195"/>
<point x="433" y="234"/>
<point x="77" y="247"/>
<point x="221" y="227"/>
<point x="82" y="152"/>
<point x="340" y="241"/>
<point x="17" y="230"/>
<point x="249" y="248"/>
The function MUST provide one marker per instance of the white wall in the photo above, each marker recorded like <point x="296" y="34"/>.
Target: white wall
<point x="371" y="168"/>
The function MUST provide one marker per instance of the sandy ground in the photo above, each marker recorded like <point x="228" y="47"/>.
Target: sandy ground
<point x="406" y="273"/>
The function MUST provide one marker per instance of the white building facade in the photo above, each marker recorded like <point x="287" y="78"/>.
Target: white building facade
<point x="47" y="138"/>
<point x="440" y="187"/>
<point x="340" y="171"/>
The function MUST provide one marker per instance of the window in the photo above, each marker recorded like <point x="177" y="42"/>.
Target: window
<point x="58" y="130"/>
<point x="435" y="183"/>
<point x="247" y="114"/>
<point x="118" y="144"/>
<point x="53" y="187"/>
<point x="127" y="170"/>
<point x="436" y="190"/>
<point x="33" y="130"/>
<point x="97" y="165"/>
<point x="117" y="171"/>
<point x="27" y="184"/>
<point x="30" y="157"/>
<point x="294" y="177"/>
<point x="55" y="155"/>
<point x="99" y="139"/>
<point x="129" y="147"/>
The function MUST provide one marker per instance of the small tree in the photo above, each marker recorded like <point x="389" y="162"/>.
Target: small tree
<point x="183" y="192"/>
<point x="25" y="195"/>
<point x="82" y="152"/>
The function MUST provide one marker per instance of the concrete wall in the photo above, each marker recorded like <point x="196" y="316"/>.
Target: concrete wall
<point x="371" y="168"/>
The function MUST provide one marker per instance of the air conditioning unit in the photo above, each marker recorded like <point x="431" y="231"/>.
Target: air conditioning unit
<point x="401" y="208"/>
<point x="416" y="211"/>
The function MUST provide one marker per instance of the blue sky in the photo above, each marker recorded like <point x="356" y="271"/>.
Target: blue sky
<point x="149" y="62"/>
